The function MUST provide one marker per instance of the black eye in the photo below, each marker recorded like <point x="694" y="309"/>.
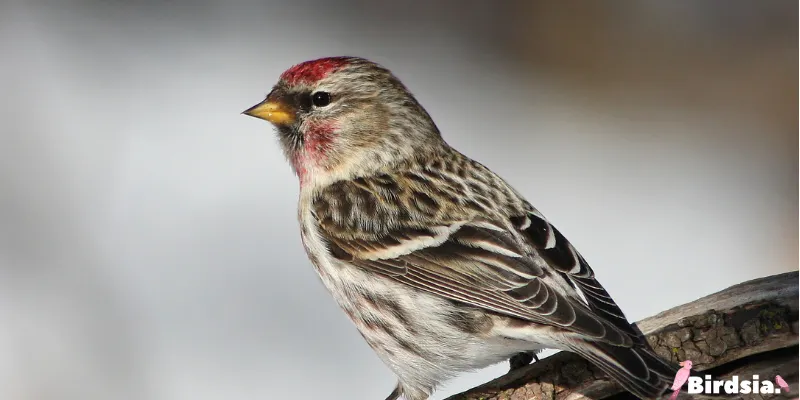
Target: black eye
<point x="321" y="99"/>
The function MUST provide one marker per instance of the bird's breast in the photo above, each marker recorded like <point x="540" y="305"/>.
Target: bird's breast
<point x="407" y="328"/>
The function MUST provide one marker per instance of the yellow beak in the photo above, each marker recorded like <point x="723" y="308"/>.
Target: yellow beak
<point x="272" y="111"/>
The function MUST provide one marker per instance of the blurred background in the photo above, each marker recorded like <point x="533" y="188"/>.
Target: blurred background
<point x="148" y="241"/>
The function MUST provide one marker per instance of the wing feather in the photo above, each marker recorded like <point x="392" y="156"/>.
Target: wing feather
<point x="562" y="257"/>
<point x="511" y="265"/>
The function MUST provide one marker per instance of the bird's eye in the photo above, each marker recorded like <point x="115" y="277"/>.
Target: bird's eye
<point x="321" y="99"/>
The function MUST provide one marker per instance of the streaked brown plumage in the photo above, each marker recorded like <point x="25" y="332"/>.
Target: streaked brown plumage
<point x="442" y="266"/>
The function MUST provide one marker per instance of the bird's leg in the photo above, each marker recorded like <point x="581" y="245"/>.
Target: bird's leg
<point x="395" y="395"/>
<point x="520" y="360"/>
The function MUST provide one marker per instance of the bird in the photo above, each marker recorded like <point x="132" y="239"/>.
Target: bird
<point x="441" y="264"/>
<point x="681" y="377"/>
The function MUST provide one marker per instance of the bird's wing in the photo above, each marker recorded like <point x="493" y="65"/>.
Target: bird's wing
<point x="416" y="234"/>
<point x="562" y="257"/>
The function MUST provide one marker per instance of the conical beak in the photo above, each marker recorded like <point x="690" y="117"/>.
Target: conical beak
<point x="272" y="111"/>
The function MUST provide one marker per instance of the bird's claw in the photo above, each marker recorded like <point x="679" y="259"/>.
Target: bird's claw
<point x="520" y="360"/>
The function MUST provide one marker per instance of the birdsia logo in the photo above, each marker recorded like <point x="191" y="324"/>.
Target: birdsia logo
<point x="707" y="385"/>
<point x="735" y="385"/>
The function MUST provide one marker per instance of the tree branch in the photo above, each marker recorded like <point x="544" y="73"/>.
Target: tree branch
<point x="746" y="329"/>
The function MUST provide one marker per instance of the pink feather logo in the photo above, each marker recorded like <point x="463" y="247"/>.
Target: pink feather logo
<point x="680" y="378"/>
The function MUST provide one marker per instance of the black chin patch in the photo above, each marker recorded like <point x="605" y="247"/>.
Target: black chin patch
<point x="300" y="102"/>
<point x="286" y="130"/>
<point x="291" y="138"/>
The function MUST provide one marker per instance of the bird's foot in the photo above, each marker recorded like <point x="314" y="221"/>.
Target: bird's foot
<point x="520" y="360"/>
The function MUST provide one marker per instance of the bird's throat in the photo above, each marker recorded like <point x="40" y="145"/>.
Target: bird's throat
<point x="314" y="146"/>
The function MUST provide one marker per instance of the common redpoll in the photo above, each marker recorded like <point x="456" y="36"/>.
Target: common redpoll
<point x="441" y="265"/>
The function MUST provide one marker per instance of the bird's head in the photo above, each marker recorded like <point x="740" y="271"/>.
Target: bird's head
<point x="340" y="117"/>
<point x="686" y="364"/>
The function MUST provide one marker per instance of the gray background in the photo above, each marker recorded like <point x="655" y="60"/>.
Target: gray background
<point x="148" y="242"/>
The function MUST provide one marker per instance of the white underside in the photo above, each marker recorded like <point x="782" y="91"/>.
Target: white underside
<point x="447" y="350"/>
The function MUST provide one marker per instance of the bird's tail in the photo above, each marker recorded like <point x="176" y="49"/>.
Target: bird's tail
<point x="637" y="368"/>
